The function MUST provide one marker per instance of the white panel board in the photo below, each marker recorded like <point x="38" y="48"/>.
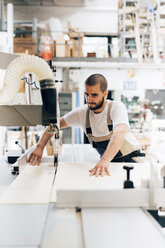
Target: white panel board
<point x="74" y="187"/>
<point x="32" y="186"/>
<point x="119" y="227"/>
<point x="22" y="225"/>
<point x="63" y="229"/>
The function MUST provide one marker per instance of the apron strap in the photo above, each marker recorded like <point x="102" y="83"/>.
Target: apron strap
<point x="109" y="121"/>
<point x="88" y="127"/>
<point x="92" y="138"/>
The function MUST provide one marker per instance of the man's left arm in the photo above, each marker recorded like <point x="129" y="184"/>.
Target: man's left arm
<point x="113" y="147"/>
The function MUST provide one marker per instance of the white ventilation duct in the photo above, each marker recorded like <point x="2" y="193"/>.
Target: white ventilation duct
<point x="16" y="70"/>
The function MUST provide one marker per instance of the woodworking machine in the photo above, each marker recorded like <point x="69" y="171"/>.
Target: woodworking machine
<point x="46" y="114"/>
<point x="90" y="211"/>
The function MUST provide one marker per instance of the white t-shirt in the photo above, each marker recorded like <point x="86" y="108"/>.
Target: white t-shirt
<point x="118" y="115"/>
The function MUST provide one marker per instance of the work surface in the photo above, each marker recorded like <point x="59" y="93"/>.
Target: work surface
<point x="38" y="223"/>
<point x="74" y="187"/>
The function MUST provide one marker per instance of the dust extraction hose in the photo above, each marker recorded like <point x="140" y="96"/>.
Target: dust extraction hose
<point x="17" y="68"/>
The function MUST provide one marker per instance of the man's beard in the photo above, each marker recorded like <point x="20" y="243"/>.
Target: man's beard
<point x="99" y="105"/>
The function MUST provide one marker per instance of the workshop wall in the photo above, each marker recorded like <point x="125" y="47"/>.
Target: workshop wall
<point x="143" y="78"/>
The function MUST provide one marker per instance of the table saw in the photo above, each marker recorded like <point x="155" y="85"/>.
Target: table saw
<point x="72" y="209"/>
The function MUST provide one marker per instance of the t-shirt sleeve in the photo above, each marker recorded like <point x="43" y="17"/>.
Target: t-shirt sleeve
<point x="119" y="114"/>
<point x="73" y="118"/>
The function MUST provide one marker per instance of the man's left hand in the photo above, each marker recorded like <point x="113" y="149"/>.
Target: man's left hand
<point x="100" y="169"/>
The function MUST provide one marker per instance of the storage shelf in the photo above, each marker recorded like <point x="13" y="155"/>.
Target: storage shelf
<point x="105" y="63"/>
<point x="91" y="59"/>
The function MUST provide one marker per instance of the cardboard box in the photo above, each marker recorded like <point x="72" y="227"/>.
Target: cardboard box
<point x="77" y="48"/>
<point x="21" y="45"/>
<point x="60" y="50"/>
<point x="53" y="48"/>
<point x="91" y="55"/>
<point x="60" y="46"/>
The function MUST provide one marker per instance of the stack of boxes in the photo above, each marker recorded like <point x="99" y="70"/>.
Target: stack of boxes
<point x="60" y="46"/>
<point x="71" y="47"/>
<point x="23" y="41"/>
<point x="76" y="39"/>
<point x="25" y="45"/>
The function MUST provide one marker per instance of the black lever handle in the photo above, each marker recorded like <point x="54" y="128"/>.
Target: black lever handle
<point x="128" y="168"/>
<point x="128" y="183"/>
<point x="17" y="143"/>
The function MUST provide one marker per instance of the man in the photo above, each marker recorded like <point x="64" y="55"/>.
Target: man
<point x="105" y="123"/>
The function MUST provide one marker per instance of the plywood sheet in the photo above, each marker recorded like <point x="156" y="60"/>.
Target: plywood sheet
<point x="74" y="187"/>
<point x="32" y="186"/>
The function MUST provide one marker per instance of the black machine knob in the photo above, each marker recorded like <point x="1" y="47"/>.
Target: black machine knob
<point x="128" y="184"/>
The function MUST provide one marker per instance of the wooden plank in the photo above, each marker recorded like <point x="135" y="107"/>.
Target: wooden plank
<point x="32" y="186"/>
<point x="120" y="227"/>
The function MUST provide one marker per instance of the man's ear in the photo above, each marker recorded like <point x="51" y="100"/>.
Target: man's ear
<point x="105" y="93"/>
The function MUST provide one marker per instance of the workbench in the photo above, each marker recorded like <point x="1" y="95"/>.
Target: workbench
<point x="48" y="225"/>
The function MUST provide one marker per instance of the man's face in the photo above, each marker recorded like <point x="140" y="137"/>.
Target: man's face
<point x="94" y="96"/>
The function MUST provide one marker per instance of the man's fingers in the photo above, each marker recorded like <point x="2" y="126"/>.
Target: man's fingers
<point x="101" y="172"/>
<point x="93" y="171"/>
<point x="34" y="160"/>
<point x="107" y="171"/>
<point x="97" y="173"/>
<point x="30" y="158"/>
<point x="38" y="161"/>
<point x="31" y="161"/>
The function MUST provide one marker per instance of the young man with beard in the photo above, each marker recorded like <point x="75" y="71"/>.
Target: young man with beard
<point x="106" y="125"/>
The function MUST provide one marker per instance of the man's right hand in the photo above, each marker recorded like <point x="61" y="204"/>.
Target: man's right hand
<point x="36" y="155"/>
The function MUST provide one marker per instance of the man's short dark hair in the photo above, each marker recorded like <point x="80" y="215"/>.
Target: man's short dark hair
<point x="97" y="79"/>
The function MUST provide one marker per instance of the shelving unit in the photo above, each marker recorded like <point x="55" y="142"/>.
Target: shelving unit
<point x="160" y="27"/>
<point x="137" y="27"/>
<point x="127" y="28"/>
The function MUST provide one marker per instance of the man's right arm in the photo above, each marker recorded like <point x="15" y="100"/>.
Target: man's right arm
<point x="36" y="155"/>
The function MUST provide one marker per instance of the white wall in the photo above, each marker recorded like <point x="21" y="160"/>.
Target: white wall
<point x="96" y="16"/>
<point x="145" y="78"/>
